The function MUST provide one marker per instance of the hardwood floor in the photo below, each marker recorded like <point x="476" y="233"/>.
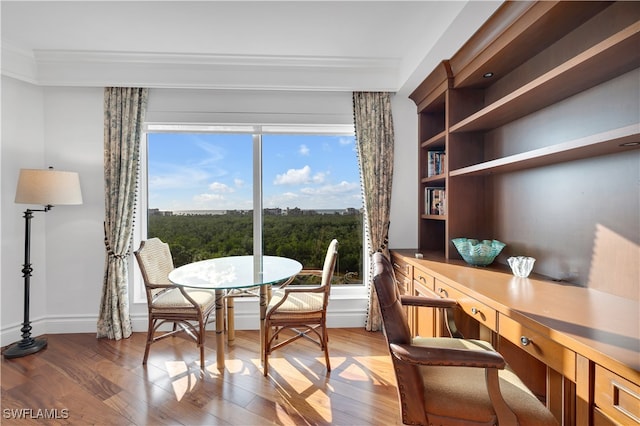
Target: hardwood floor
<point x="82" y="380"/>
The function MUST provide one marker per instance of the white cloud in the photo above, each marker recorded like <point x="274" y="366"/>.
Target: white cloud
<point x="341" y="188"/>
<point x="300" y="177"/>
<point x="319" y="177"/>
<point x="294" y="177"/>
<point x="239" y="183"/>
<point x="304" y="150"/>
<point x="220" y="188"/>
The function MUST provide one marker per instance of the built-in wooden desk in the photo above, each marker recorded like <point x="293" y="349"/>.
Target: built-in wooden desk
<point x="584" y="343"/>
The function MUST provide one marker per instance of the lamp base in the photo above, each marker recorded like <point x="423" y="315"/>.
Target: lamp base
<point x="25" y="347"/>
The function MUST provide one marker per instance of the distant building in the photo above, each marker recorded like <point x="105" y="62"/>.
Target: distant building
<point x="351" y="211"/>
<point x="158" y="212"/>
<point x="273" y="212"/>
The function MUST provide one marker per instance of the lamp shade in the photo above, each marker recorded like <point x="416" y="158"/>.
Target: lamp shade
<point x="48" y="187"/>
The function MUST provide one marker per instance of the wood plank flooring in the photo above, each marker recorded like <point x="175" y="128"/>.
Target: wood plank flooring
<point x="81" y="380"/>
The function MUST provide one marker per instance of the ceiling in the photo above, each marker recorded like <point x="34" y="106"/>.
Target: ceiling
<point x="310" y="45"/>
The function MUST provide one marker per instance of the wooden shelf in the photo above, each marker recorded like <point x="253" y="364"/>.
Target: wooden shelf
<point x="435" y="141"/>
<point x="542" y="53"/>
<point x="600" y="63"/>
<point x="437" y="179"/>
<point x="434" y="217"/>
<point x="594" y="145"/>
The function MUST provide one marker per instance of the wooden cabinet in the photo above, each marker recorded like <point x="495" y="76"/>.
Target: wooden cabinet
<point x="404" y="280"/>
<point x="480" y="106"/>
<point x="616" y="398"/>
<point x="476" y="310"/>
<point x="540" y="347"/>
<point x="424" y="319"/>
<point x="423" y="322"/>
<point x="572" y="346"/>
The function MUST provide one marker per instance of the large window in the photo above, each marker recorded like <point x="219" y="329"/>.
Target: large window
<point x="283" y="191"/>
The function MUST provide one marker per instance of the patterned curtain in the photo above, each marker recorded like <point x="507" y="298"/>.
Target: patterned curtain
<point x="374" y="140"/>
<point x="124" y="110"/>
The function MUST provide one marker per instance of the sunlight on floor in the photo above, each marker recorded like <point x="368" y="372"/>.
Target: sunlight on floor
<point x="182" y="380"/>
<point x="308" y="387"/>
<point x="239" y="366"/>
<point x="356" y="371"/>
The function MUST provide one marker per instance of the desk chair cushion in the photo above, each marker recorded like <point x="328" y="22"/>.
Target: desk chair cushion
<point x="461" y="392"/>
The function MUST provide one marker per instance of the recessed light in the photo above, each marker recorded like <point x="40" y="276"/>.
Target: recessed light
<point x="488" y="74"/>
<point x="630" y="144"/>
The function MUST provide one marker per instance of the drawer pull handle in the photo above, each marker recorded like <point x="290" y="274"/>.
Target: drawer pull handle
<point x="423" y="279"/>
<point x="443" y="291"/>
<point x="525" y="340"/>
<point x="474" y="311"/>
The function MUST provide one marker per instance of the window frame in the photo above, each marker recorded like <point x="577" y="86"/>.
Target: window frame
<point x="352" y="291"/>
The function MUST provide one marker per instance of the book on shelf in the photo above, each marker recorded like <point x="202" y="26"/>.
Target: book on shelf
<point x="435" y="201"/>
<point x="436" y="161"/>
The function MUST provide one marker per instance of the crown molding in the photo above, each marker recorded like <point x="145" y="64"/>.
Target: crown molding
<point x="56" y="56"/>
<point x="177" y="70"/>
<point x="18" y="63"/>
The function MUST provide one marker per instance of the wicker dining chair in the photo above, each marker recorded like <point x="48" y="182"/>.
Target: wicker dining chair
<point x="187" y="309"/>
<point x="302" y="310"/>
<point x="446" y="380"/>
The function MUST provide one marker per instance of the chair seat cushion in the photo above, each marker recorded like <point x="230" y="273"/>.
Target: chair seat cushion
<point x="297" y="302"/>
<point x="461" y="392"/>
<point x="174" y="300"/>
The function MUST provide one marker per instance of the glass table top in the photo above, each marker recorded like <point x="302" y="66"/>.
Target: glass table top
<point x="235" y="272"/>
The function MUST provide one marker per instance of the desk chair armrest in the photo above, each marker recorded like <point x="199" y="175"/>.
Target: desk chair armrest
<point x="427" y="302"/>
<point x="423" y="355"/>
<point x="443" y="303"/>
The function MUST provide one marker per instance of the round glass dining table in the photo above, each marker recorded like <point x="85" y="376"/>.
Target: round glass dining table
<point x="226" y="275"/>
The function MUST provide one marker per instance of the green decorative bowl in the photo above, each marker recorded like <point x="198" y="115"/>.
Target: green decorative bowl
<point x="478" y="253"/>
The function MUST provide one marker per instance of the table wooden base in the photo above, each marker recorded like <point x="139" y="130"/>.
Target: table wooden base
<point x="220" y="329"/>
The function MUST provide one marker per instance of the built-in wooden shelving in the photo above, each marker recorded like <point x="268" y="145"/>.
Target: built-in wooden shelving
<point x="542" y="53"/>
<point x="613" y="141"/>
<point x="611" y="57"/>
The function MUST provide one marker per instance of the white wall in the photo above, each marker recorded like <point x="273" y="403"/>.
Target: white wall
<point x="22" y="147"/>
<point x="63" y="127"/>
<point x="403" y="230"/>
<point x="75" y="247"/>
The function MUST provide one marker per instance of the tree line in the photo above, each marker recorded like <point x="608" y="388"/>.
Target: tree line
<point x="301" y="237"/>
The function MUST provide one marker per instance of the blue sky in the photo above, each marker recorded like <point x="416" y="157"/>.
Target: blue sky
<point x="204" y="171"/>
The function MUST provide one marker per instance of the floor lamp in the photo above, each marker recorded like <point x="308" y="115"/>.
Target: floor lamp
<point x="47" y="188"/>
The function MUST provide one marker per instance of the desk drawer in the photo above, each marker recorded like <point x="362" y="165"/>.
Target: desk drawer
<point x="476" y="310"/>
<point x="424" y="279"/>
<point x="401" y="267"/>
<point x="544" y="349"/>
<point x="617" y="397"/>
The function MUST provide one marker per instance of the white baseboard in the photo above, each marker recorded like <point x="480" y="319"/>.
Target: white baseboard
<point x="342" y="313"/>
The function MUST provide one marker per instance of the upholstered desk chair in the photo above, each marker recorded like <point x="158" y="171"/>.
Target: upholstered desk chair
<point x="302" y="310"/>
<point x="450" y="381"/>
<point x="187" y="309"/>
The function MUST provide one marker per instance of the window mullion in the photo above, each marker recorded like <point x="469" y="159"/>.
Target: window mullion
<point x="257" y="201"/>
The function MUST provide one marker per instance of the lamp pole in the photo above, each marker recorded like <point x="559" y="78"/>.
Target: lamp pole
<point x="28" y="345"/>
